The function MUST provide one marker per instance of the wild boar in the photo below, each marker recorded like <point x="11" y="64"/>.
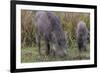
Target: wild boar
<point x="82" y="35"/>
<point x="49" y="27"/>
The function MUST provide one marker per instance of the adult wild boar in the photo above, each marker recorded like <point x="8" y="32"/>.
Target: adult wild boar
<point x="82" y="35"/>
<point x="49" y="27"/>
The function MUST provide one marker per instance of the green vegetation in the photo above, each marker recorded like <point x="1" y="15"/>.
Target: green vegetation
<point x="31" y="54"/>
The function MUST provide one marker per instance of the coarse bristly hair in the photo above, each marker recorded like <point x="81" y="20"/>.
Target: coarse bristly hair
<point x="81" y="35"/>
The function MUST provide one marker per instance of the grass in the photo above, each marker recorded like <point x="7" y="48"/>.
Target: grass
<point x="31" y="54"/>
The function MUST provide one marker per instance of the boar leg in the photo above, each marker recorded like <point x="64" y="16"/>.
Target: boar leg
<point x="47" y="46"/>
<point x="38" y="40"/>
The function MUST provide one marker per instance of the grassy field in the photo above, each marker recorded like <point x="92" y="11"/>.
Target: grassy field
<point x="30" y="54"/>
